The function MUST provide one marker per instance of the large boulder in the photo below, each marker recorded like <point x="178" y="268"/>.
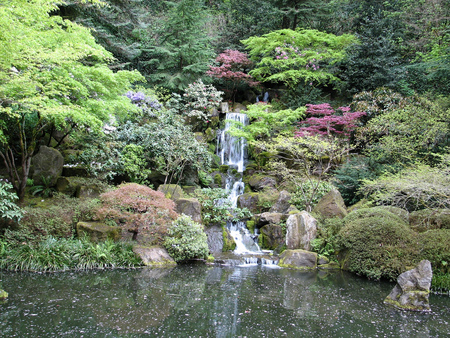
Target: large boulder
<point x="301" y="230"/>
<point x="298" y="259"/>
<point x="249" y="201"/>
<point x="215" y="238"/>
<point x="46" y="165"/>
<point x="153" y="255"/>
<point x="98" y="231"/>
<point x="190" y="207"/>
<point x="271" y="237"/>
<point x="412" y="289"/>
<point x="331" y="205"/>
<point x="270" y="218"/>
<point x="283" y="204"/>
<point x="258" y="182"/>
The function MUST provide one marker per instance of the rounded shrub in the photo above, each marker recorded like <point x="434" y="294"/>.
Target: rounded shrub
<point x="376" y="244"/>
<point x="186" y="240"/>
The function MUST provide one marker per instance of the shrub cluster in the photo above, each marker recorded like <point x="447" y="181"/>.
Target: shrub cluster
<point x="186" y="240"/>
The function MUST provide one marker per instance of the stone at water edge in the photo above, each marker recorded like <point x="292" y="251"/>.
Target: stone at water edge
<point x="153" y="255"/>
<point x="413" y="289"/>
<point x="298" y="259"/>
<point x="301" y="230"/>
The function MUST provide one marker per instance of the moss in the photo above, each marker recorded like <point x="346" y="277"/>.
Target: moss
<point x="251" y="226"/>
<point x="228" y="242"/>
<point x="210" y="259"/>
<point x="218" y="179"/>
<point x="224" y="169"/>
<point x="3" y="294"/>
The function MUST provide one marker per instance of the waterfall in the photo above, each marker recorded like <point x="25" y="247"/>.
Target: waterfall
<point x="233" y="152"/>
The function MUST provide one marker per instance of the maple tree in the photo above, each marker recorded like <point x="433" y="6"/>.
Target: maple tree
<point x="233" y="65"/>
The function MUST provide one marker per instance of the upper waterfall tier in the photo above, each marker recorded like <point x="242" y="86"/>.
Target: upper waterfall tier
<point x="233" y="150"/>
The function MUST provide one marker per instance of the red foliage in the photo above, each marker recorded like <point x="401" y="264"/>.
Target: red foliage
<point x="328" y="123"/>
<point x="138" y="208"/>
<point x="233" y="62"/>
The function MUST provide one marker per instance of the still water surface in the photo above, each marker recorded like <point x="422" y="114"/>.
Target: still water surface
<point x="209" y="301"/>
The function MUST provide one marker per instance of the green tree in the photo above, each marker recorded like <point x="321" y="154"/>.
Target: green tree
<point x="181" y="52"/>
<point x="295" y="56"/>
<point x="52" y="74"/>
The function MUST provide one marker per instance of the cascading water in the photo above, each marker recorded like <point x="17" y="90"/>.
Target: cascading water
<point x="233" y="152"/>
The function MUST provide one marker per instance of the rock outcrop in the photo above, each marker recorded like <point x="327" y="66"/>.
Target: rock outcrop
<point x="298" y="259"/>
<point x="98" y="231"/>
<point x="301" y="230"/>
<point x="331" y="205"/>
<point x="153" y="255"/>
<point x="412" y="289"/>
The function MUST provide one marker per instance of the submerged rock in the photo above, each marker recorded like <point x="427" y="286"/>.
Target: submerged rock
<point x="153" y="255"/>
<point x="301" y="230"/>
<point x="298" y="259"/>
<point x="412" y="289"/>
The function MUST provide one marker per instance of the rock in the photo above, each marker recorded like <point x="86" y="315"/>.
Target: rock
<point x="323" y="260"/>
<point x="331" y="205"/>
<point x="98" y="231"/>
<point x="3" y="294"/>
<point x="214" y="236"/>
<point x="258" y="182"/>
<point x="80" y="187"/>
<point x="238" y="107"/>
<point x="298" y="259"/>
<point x="330" y="266"/>
<point x="229" y="244"/>
<point x="271" y="237"/>
<point x="283" y="204"/>
<point x="301" y="230"/>
<point x="190" y="207"/>
<point x="153" y="255"/>
<point x="427" y="219"/>
<point x="249" y="201"/>
<point x="171" y="191"/>
<point x="47" y="164"/>
<point x="88" y="191"/>
<point x="270" y="218"/>
<point x="413" y="289"/>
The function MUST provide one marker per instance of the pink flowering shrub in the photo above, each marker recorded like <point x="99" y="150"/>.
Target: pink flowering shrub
<point x="324" y="121"/>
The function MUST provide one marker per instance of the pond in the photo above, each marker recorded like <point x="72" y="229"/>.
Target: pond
<point x="209" y="301"/>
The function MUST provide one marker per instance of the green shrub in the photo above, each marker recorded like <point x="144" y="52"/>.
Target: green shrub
<point x="8" y="209"/>
<point x="67" y="254"/>
<point x="435" y="247"/>
<point x="298" y="198"/>
<point x="186" y="240"/>
<point x="376" y="244"/>
<point x="324" y="244"/>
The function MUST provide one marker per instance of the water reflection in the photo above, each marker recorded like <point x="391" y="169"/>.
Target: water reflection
<point x="205" y="301"/>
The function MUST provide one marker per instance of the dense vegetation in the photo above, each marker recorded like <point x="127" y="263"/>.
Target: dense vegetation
<point x="356" y="96"/>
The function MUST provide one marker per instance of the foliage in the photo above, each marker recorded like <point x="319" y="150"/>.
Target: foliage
<point x="414" y="188"/>
<point x="435" y="247"/>
<point x="265" y="122"/>
<point x="200" y="99"/>
<point x="134" y="164"/>
<point x="309" y="192"/>
<point x="325" y="242"/>
<point x="186" y="240"/>
<point x="329" y="123"/>
<point x="8" y="209"/>
<point x="294" y="56"/>
<point x="377" y="245"/>
<point x="56" y="218"/>
<point x="232" y="69"/>
<point x="217" y="208"/>
<point x="52" y="75"/>
<point x="137" y="208"/>
<point x="348" y="178"/>
<point x="67" y="254"/>
<point x="182" y="49"/>
<point x="45" y="189"/>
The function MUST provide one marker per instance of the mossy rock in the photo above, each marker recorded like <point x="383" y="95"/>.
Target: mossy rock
<point x="171" y="191"/>
<point x="249" y="201"/>
<point x="331" y="205"/>
<point x="98" y="231"/>
<point x="218" y="179"/>
<point x="228" y="241"/>
<point x="298" y="259"/>
<point x="3" y="294"/>
<point x="271" y="237"/>
<point x="258" y="182"/>
<point x="428" y="219"/>
<point x="251" y="226"/>
<point x="155" y="256"/>
<point x="224" y="168"/>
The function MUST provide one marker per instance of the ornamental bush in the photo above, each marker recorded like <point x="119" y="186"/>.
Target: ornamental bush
<point x="186" y="240"/>
<point x="199" y="99"/>
<point x="8" y="209"/>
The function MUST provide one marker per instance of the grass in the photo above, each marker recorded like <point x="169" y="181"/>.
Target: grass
<point x="66" y="254"/>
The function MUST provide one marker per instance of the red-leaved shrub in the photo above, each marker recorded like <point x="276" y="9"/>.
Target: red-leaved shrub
<point x="139" y="209"/>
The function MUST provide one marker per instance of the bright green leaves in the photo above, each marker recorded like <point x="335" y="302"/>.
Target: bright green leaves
<point x="292" y="57"/>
